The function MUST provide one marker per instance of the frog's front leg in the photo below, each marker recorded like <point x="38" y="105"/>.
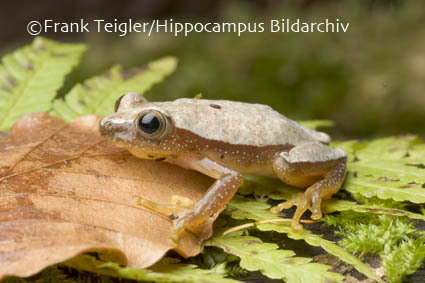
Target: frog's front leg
<point x="213" y="202"/>
<point x="313" y="165"/>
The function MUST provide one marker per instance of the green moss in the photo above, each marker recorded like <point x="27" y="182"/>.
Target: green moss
<point x="394" y="239"/>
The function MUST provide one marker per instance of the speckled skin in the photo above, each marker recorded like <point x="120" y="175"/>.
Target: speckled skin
<point x="223" y="139"/>
<point x="236" y="123"/>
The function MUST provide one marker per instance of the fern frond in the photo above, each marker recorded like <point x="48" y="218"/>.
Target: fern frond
<point x="98" y="94"/>
<point x="31" y="76"/>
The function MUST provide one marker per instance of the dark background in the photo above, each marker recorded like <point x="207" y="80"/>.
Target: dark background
<point x="370" y="80"/>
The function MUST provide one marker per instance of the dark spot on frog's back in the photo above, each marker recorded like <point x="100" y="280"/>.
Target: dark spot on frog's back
<point x="216" y="106"/>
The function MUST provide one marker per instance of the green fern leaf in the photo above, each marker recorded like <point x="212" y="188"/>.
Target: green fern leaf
<point x="162" y="271"/>
<point x="31" y="76"/>
<point x="389" y="168"/>
<point x="333" y="205"/>
<point x="243" y="208"/>
<point x="98" y="95"/>
<point x="273" y="262"/>
<point x="329" y="246"/>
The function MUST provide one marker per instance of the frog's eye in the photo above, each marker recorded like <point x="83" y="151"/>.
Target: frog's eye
<point x="117" y="103"/>
<point x="152" y="124"/>
<point x="149" y="123"/>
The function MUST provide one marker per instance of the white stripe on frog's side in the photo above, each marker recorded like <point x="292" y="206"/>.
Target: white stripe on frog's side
<point x="236" y="123"/>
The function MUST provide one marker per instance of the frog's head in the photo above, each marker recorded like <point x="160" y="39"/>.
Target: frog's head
<point x="140" y="126"/>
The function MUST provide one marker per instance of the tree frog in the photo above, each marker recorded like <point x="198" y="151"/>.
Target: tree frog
<point x="225" y="139"/>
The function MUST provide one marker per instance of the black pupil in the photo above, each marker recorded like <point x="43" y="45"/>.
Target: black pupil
<point x="149" y="123"/>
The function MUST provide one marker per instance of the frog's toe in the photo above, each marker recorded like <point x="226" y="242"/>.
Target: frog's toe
<point x="287" y="204"/>
<point x="284" y="205"/>
<point x="275" y="209"/>
<point x="316" y="213"/>
<point x="177" y="206"/>
<point x="181" y="201"/>
<point x="314" y="194"/>
<point x="296" y="227"/>
<point x="175" y="237"/>
<point x="303" y="204"/>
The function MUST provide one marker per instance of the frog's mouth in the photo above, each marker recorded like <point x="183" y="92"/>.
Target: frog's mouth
<point x="146" y="155"/>
<point x="159" y="159"/>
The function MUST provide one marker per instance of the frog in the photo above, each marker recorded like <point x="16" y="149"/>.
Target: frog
<point x="224" y="140"/>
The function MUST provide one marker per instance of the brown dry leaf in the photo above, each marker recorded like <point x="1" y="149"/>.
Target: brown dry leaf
<point x="65" y="190"/>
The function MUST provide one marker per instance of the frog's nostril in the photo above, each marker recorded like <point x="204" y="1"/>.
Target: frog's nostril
<point x="105" y="123"/>
<point x="105" y="126"/>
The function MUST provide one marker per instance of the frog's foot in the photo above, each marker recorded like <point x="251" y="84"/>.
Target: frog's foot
<point x="309" y="200"/>
<point x="178" y="205"/>
<point x="303" y="202"/>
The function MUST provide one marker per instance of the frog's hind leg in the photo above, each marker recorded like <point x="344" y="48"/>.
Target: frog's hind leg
<point x="316" y="166"/>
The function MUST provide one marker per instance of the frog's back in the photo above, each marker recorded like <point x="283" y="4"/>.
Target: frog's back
<point x="238" y="122"/>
